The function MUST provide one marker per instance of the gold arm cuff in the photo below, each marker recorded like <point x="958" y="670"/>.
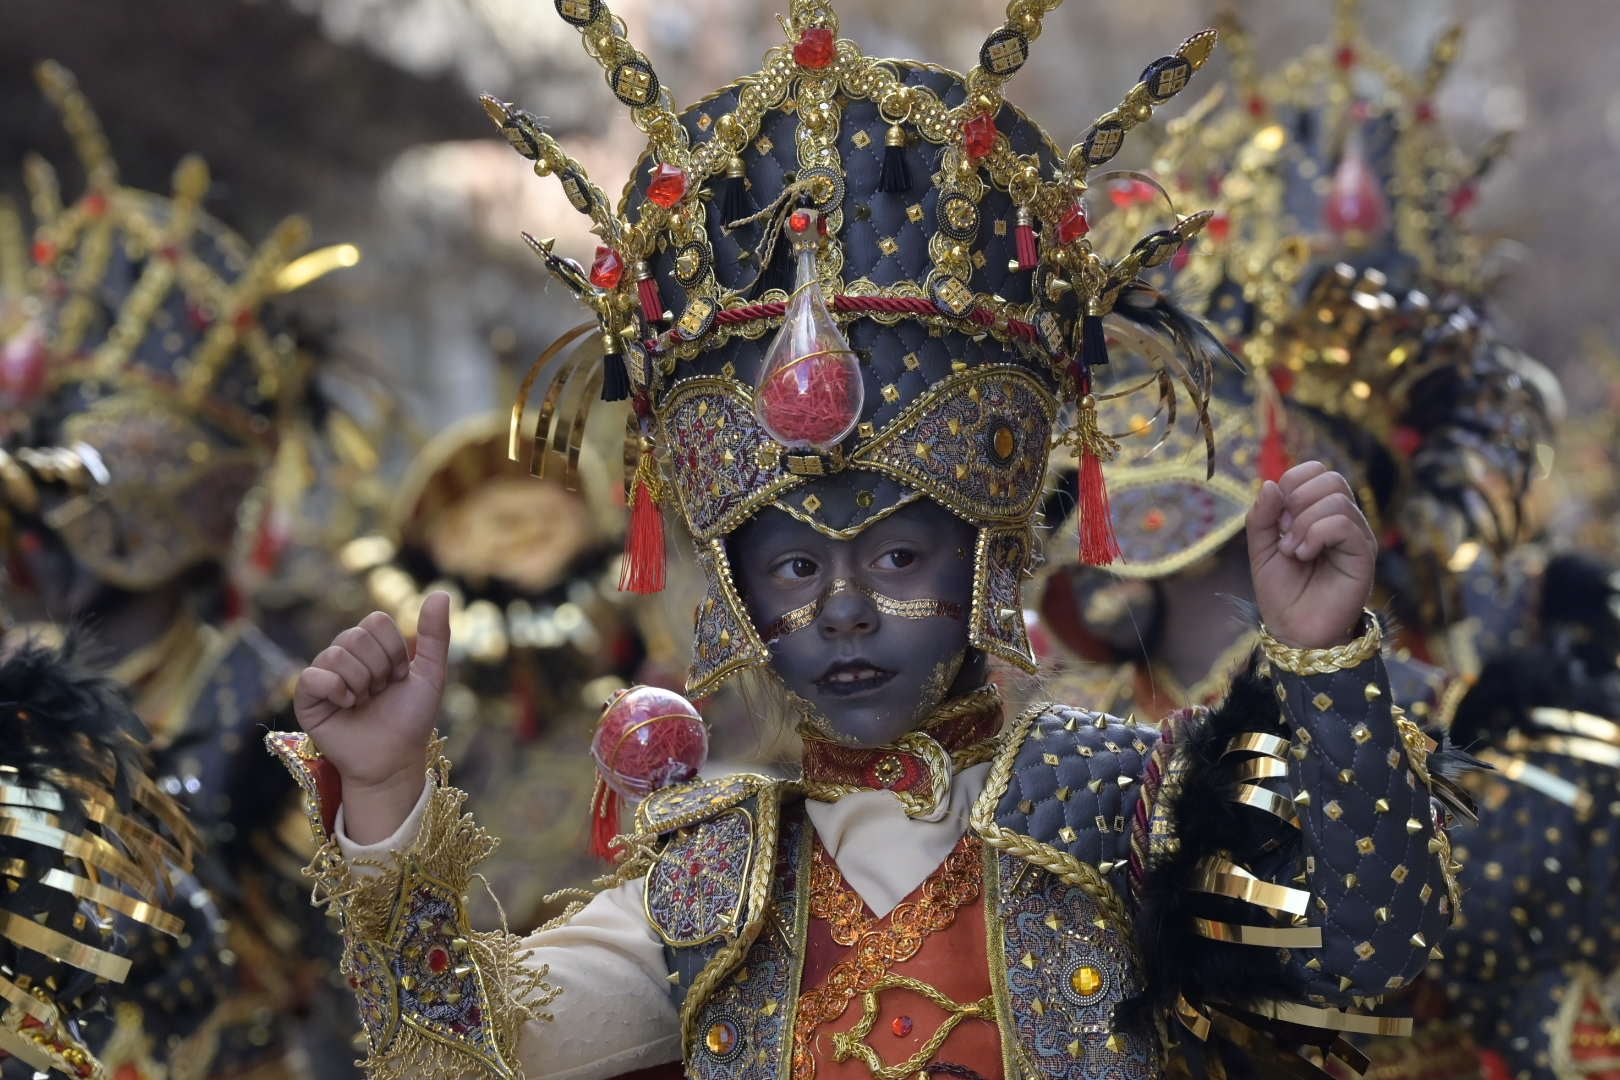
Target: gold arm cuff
<point x="1259" y="798"/>
<point x="1221" y="877"/>
<point x="1260" y="768"/>
<point x="1355" y="1023"/>
<point x="1324" y="661"/>
<point x="1267" y="937"/>
<point x="32" y="936"/>
<point x="1257" y="742"/>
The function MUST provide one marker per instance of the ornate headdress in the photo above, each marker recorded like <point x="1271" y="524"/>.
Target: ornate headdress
<point x="1338" y="264"/>
<point x="138" y="340"/>
<point x="930" y="333"/>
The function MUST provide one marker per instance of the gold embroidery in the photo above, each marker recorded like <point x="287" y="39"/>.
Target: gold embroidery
<point x="800" y="618"/>
<point x="878" y="944"/>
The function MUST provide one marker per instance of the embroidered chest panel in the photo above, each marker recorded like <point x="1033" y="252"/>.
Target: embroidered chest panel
<point x="742" y="1031"/>
<point x="1068" y="965"/>
<point x="1074" y="783"/>
<point x="696" y="889"/>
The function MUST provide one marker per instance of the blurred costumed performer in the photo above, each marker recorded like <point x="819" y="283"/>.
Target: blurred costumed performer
<point x="852" y="305"/>
<point x="154" y="384"/>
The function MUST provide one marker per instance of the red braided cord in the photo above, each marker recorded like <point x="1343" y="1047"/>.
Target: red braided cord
<point x="887" y="305"/>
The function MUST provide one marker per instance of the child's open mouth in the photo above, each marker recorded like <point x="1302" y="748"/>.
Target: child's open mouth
<point x="848" y="678"/>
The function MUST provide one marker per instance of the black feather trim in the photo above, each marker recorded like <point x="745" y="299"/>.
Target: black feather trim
<point x="1177" y="961"/>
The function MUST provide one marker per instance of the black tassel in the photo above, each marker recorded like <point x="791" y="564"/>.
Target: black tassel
<point x="1093" y="342"/>
<point x="615" y="376"/>
<point x="735" y="202"/>
<point x="895" y="176"/>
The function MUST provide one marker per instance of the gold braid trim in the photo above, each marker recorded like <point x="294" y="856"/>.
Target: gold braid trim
<point x="1324" y="661"/>
<point x="366" y="897"/>
<point x="1059" y="863"/>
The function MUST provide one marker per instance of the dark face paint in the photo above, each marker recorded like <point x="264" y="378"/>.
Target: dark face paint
<point x="870" y="632"/>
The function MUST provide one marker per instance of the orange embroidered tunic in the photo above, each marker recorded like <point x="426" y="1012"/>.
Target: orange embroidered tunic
<point x="889" y="997"/>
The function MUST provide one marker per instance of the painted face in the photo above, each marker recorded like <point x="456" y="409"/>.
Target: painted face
<point x="872" y="632"/>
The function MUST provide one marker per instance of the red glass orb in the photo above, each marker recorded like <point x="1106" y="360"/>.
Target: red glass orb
<point x="23" y="363"/>
<point x="1355" y="202"/>
<point x="667" y="186"/>
<point x="815" y="48"/>
<point x="648" y="738"/>
<point x="608" y="269"/>
<point x="1073" y="224"/>
<point x="812" y="403"/>
<point x="979" y="136"/>
<point x="799" y="221"/>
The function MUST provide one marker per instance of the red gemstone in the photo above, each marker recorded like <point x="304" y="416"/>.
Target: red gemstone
<point x="200" y="320"/>
<point x="1355" y="202"/>
<point x="1345" y="57"/>
<point x="815" y="48"/>
<point x="1424" y="111"/>
<point x="1463" y="199"/>
<point x="979" y="136"/>
<point x="438" y="960"/>
<point x="44" y="252"/>
<point x="243" y="319"/>
<point x="799" y="220"/>
<point x="1283" y="380"/>
<point x="1257" y="105"/>
<point x="1407" y="440"/>
<point x="95" y="204"/>
<point x="1073" y="224"/>
<point x="901" y="1026"/>
<point x="608" y="269"/>
<point x="170" y="253"/>
<point x="1219" y="227"/>
<point x="667" y="186"/>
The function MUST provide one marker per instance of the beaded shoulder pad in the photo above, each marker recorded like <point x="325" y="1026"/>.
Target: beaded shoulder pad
<point x="716" y="844"/>
<point x="1063" y="789"/>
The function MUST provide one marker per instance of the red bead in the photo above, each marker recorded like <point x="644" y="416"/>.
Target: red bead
<point x="815" y="48"/>
<point x="1424" y="112"/>
<point x="23" y="362"/>
<point x="1463" y="199"/>
<point x="1345" y="57"/>
<point x="44" y="252"/>
<point x="1219" y="227"/>
<point x="1283" y="380"/>
<point x="95" y="204"/>
<point x="799" y="220"/>
<point x="243" y="319"/>
<point x="667" y="186"/>
<point x="608" y="269"/>
<point x="438" y="960"/>
<point x="1257" y="105"/>
<point x="169" y="253"/>
<point x="199" y="319"/>
<point x="1407" y="440"/>
<point x="979" y="136"/>
<point x="1073" y="224"/>
<point x="901" y="1026"/>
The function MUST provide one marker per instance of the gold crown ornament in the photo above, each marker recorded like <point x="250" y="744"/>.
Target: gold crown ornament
<point x="842" y="284"/>
<point x="138" y="343"/>
<point x="1340" y="266"/>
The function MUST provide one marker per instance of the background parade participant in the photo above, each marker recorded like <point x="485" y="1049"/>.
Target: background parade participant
<point x="155" y="382"/>
<point x="1345" y="272"/>
<point x="948" y="898"/>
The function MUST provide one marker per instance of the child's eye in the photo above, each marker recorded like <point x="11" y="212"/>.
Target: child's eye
<point x="897" y="559"/>
<point x="796" y="568"/>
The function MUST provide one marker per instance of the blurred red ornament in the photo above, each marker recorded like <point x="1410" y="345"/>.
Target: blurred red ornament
<point x="1424" y="111"/>
<point x="647" y="739"/>
<point x="1355" y="201"/>
<point x="44" y="252"/>
<point x="608" y="269"/>
<point x="667" y="186"/>
<point x="815" y="48"/>
<point x="1257" y="105"/>
<point x="1219" y="227"/>
<point x="95" y="204"/>
<point x="1073" y="224"/>
<point x="23" y="363"/>
<point x="1463" y="199"/>
<point x="1345" y="57"/>
<point x="979" y="136"/>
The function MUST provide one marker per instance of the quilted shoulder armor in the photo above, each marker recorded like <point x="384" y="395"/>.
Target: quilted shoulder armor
<point x="681" y="806"/>
<point x="1067" y="778"/>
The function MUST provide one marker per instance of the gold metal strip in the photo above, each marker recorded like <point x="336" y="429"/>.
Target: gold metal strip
<point x="1260" y="768"/>
<point x="1269" y="937"/>
<point x="1290" y="1012"/>
<point x="1574" y="722"/>
<point x="1257" y="742"/>
<point x="1219" y="881"/>
<point x="1267" y="801"/>
<point x="32" y="936"/>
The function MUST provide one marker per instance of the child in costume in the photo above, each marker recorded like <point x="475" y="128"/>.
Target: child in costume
<point x="153" y="383"/>
<point x="1345" y="270"/>
<point x="943" y="891"/>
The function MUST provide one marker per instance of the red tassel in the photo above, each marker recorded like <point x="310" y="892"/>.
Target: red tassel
<point x="1025" y="242"/>
<point x="644" y="563"/>
<point x="604" y="822"/>
<point x="652" y="304"/>
<point x="1099" y="545"/>
<point x="1273" y="454"/>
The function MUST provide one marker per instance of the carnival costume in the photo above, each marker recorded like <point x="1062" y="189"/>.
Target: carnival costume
<point x="1067" y="894"/>
<point x="1341" y="266"/>
<point x="156" y="383"/>
<point x="89" y="848"/>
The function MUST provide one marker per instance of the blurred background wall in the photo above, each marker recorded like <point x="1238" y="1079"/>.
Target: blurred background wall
<point x="363" y="115"/>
